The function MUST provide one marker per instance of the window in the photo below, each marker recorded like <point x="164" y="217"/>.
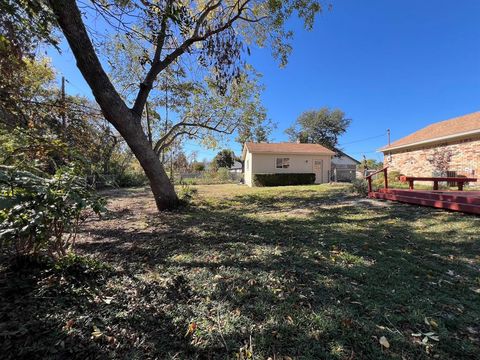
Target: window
<point x="246" y="165"/>
<point x="283" y="163"/>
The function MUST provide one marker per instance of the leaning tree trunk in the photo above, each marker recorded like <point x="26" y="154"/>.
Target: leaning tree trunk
<point x="113" y="107"/>
<point x="162" y="188"/>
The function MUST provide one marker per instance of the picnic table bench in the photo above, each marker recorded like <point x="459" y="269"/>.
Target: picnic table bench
<point x="459" y="180"/>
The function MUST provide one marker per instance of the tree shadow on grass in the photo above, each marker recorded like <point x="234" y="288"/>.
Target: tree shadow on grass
<point x="324" y="282"/>
<point x="358" y="252"/>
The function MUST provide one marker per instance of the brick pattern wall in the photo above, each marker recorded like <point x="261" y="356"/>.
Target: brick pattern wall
<point x="465" y="158"/>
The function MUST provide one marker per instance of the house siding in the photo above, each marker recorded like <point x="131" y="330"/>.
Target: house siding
<point x="465" y="159"/>
<point x="248" y="168"/>
<point x="343" y="169"/>
<point x="266" y="164"/>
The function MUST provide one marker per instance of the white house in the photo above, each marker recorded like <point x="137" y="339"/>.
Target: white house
<point x="264" y="158"/>
<point x="344" y="167"/>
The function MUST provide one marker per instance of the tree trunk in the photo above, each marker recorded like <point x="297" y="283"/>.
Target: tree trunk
<point x="162" y="188"/>
<point x="127" y="123"/>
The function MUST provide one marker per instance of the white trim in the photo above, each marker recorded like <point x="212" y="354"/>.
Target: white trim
<point x="448" y="137"/>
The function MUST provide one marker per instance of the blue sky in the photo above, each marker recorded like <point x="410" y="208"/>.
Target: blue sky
<point x="387" y="64"/>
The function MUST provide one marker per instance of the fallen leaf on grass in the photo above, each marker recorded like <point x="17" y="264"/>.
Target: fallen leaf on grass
<point x="96" y="333"/>
<point x="384" y="342"/>
<point x="108" y="300"/>
<point x="191" y="329"/>
<point x="431" y="322"/>
<point x="427" y="336"/>
<point x="471" y="330"/>
<point x="69" y="324"/>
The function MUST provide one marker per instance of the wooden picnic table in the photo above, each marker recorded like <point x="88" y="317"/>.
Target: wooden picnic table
<point x="459" y="180"/>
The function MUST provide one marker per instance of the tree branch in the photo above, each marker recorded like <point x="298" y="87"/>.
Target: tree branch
<point x="160" y="65"/>
<point x="70" y="20"/>
<point x="147" y="84"/>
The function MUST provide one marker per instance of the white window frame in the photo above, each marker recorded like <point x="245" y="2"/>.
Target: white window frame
<point x="285" y="163"/>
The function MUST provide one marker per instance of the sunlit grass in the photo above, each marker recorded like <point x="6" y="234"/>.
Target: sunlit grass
<point x="308" y="272"/>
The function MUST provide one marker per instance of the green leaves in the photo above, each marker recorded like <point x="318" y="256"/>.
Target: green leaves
<point x="322" y="126"/>
<point x="42" y="214"/>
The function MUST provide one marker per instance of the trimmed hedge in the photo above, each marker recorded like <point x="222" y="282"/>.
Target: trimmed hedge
<point x="283" y="179"/>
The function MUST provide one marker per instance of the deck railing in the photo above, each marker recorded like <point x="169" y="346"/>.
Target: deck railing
<point x="385" y="175"/>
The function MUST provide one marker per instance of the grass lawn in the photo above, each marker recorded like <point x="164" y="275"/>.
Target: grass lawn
<point x="307" y="272"/>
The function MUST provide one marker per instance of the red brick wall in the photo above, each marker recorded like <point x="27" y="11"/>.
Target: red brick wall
<point x="465" y="158"/>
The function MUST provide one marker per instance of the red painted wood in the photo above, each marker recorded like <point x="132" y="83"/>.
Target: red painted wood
<point x="468" y="202"/>
<point x="385" y="177"/>
<point x="452" y="179"/>
<point x="369" y="178"/>
<point x="377" y="172"/>
<point x="467" y="197"/>
<point x="459" y="180"/>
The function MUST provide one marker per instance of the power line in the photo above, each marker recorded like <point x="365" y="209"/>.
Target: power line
<point x="365" y="139"/>
<point x="364" y="152"/>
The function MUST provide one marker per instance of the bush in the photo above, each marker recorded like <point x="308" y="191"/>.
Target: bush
<point x="393" y="180"/>
<point x="223" y="174"/>
<point x="283" y="179"/>
<point x="186" y="193"/>
<point x="131" y="179"/>
<point x="198" y="167"/>
<point x="42" y="214"/>
<point x="360" y="187"/>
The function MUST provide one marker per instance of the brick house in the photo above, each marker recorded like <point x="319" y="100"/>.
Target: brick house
<point x="446" y="148"/>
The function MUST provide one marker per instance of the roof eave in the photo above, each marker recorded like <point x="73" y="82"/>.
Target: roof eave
<point x="449" y="137"/>
<point x="346" y="155"/>
<point x="292" y="153"/>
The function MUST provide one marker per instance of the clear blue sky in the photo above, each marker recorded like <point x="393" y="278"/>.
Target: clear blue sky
<point x="387" y="64"/>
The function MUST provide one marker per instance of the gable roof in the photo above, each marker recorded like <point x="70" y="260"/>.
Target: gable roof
<point x="287" y="148"/>
<point x="340" y="153"/>
<point x="236" y="165"/>
<point x="443" y="130"/>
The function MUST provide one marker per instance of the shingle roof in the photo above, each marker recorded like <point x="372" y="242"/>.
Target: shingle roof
<point x="340" y="153"/>
<point x="288" y="148"/>
<point x="441" y="130"/>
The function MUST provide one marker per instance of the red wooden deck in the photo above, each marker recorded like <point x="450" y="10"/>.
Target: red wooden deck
<point x="464" y="201"/>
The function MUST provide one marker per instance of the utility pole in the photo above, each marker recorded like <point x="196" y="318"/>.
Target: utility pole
<point x="388" y="133"/>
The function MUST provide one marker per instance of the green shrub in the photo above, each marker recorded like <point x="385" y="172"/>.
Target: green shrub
<point x="393" y="178"/>
<point x="360" y="187"/>
<point x="131" y="179"/>
<point x="283" y="179"/>
<point x="223" y="174"/>
<point x="76" y="267"/>
<point x="198" y="167"/>
<point x="42" y="214"/>
<point x="186" y="193"/>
